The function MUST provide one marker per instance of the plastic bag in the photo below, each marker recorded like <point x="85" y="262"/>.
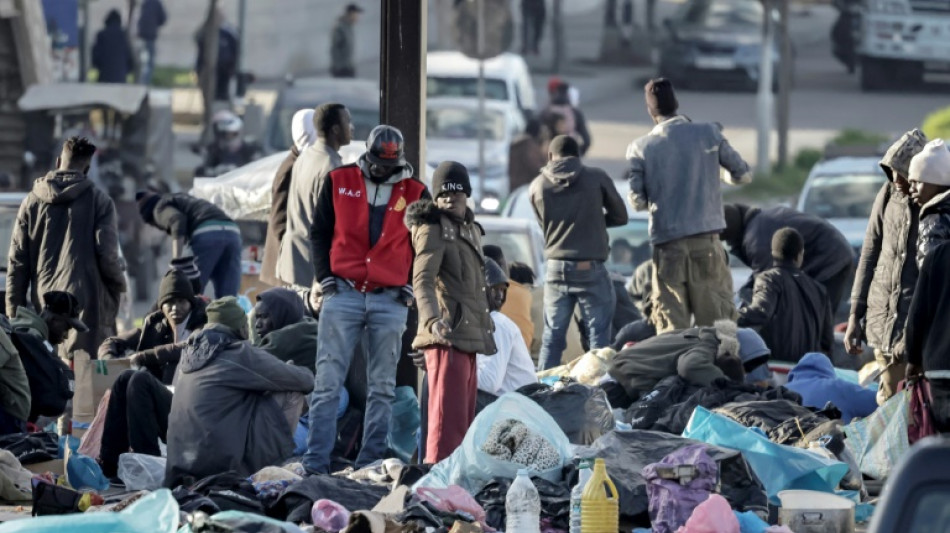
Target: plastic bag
<point x="471" y="468"/>
<point x="141" y="472"/>
<point x="242" y="522"/>
<point x="672" y="501"/>
<point x="84" y="473"/>
<point x="880" y="440"/>
<point x="592" y="366"/>
<point x="582" y="412"/>
<point x="453" y="499"/>
<point x="92" y="438"/>
<point x="405" y="424"/>
<point x="778" y="467"/>
<point x="712" y="516"/>
<point x="329" y="515"/>
<point x="154" y="513"/>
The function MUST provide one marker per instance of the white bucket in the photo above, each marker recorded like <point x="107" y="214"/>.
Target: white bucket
<point x="809" y="511"/>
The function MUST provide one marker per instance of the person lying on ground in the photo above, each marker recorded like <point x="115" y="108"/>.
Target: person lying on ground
<point x="511" y="367"/>
<point x="815" y="379"/>
<point x="790" y="310"/>
<point x="698" y="355"/>
<point x="223" y="414"/>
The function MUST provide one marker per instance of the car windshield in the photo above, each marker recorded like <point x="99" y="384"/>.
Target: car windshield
<point x="721" y="14"/>
<point x="516" y="245"/>
<point x="845" y="196"/>
<point x="364" y="120"/>
<point x="7" y="220"/>
<point x="462" y="123"/>
<point x="465" y="87"/>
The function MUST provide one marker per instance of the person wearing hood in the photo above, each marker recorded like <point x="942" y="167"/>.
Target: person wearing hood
<point x="112" y="53"/>
<point x="333" y="130"/>
<point x="675" y="174"/>
<point x="213" y="237"/>
<point x="303" y="134"/>
<point x="66" y="216"/>
<point x="224" y="414"/>
<point x="698" y="355"/>
<point x="454" y="318"/>
<point x="284" y="329"/>
<point x="929" y="176"/>
<point x="790" y="310"/>
<point x="755" y="355"/>
<point x="829" y="257"/>
<point x="887" y="271"/>
<point x="362" y="259"/>
<point x="815" y="380"/>
<point x="575" y="204"/>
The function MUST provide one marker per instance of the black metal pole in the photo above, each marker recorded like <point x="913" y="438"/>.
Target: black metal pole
<point x="401" y="73"/>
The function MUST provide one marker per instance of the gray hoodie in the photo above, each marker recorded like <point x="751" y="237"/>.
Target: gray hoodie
<point x="575" y="205"/>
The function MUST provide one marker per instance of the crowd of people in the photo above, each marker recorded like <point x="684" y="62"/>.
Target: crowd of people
<point x="370" y="264"/>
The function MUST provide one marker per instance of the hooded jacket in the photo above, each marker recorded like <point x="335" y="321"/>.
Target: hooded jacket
<point x="449" y="278"/>
<point x="575" y="204"/>
<point x="295" y="257"/>
<point x="277" y="220"/>
<point x="223" y="415"/>
<point x="295" y="343"/>
<point x="156" y="341"/>
<point x="815" y="380"/>
<point x="111" y="53"/>
<point x="827" y="251"/>
<point x="180" y="214"/>
<point x="690" y="354"/>
<point x="791" y="312"/>
<point x="14" y="384"/>
<point x="66" y="239"/>
<point x="934" y="225"/>
<point x="30" y="336"/>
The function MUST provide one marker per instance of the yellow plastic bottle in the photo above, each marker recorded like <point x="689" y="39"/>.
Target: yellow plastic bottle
<point x="600" y="504"/>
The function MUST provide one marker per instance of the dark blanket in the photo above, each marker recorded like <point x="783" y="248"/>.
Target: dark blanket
<point x="295" y="503"/>
<point x="784" y="421"/>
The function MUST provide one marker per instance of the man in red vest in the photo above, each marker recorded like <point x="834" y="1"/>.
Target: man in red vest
<point x="362" y="256"/>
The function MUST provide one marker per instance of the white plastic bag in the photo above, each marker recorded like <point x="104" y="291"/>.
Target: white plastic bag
<point x="141" y="472"/>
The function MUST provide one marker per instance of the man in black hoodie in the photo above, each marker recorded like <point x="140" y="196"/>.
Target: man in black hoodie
<point x="575" y="205"/>
<point x="67" y="217"/>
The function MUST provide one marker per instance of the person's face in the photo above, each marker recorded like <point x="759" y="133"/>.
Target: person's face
<point x="622" y="255"/>
<point x="901" y="183"/>
<point x="453" y="203"/>
<point x="924" y="192"/>
<point x="344" y="130"/>
<point x="263" y="321"/>
<point x="560" y="127"/>
<point x="381" y="173"/>
<point x="498" y="294"/>
<point x="176" y="310"/>
<point x="353" y="16"/>
<point x="229" y="141"/>
<point x="58" y="330"/>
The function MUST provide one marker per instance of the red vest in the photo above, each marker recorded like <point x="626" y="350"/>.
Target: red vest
<point x="388" y="263"/>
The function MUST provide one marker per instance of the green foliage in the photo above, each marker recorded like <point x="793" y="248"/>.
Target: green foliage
<point x="937" y="124"/>
<point x="852" y="137"/>
<point x="807" y="158"/>
<point x="168" y="77"/>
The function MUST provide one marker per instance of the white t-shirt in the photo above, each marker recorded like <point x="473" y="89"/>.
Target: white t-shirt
<point x="511" y="367"/>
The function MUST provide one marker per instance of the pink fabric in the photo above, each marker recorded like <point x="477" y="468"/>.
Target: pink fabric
<point x="712" y="516"/>
<point x="328" y="515"/>
<point x="922" y="418"/>
<point x="92" y="438"/>
<point x="453" y="499"/>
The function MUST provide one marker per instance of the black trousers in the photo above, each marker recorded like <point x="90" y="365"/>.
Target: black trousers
<point x="136" y="419"/>
<point x="836" y="285"/>
<point x="940" y="404"/>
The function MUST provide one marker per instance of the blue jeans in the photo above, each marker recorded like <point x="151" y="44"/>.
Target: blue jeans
<point x="343" y="319"/>
<point x="218" y="257"/>
<point x="570" y="283"/>
<point x="149" y="67"/>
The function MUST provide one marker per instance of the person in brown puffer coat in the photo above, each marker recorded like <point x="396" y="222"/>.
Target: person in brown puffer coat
<point x="454" y="317"/>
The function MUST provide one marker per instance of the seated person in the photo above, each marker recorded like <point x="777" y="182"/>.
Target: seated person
<point x="517" y="305"/>
<point x="511" y="367"/>
<point x="790" y="310"/>
<point x="755" y="358"/>
<point x="698" y="355"/>
<point x="14" y="388"/>
<point x="285" y="330"/>
<point x="640" y="289"/>
<point x="35" y="337"/>
<point x="224" y="415"/>
<point x="815" y="379"/>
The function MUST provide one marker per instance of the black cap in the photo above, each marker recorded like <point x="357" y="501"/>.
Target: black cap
<point x="451" y="177"/>
<point x="65" y="306"/>
<point x="494" y="275"/>
<point x="353" y="8"/>
<point x="386" y="146"/>
<point x="660" y="97"/>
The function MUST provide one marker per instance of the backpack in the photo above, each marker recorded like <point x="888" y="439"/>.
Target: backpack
<point x="50" y="378"/>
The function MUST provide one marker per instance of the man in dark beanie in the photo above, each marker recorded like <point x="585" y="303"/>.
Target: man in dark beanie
<point x="675" y="174"/>
<point x="575" y="205"/>
<point x="790" y="310"/>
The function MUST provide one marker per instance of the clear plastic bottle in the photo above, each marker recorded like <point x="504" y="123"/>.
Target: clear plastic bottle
<point x="583" y="476"/>
<point x="522" y="506"/>
<point x="600" y="509"/>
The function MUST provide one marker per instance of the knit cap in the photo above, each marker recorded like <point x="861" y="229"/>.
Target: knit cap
<point x="660" y="97"/>
<point x="494" y="275"/>
<point x="227" y="312"/>
<point x="175" y="285"/>
<point x="451" y="177"/>
<point x="931" y="165"/>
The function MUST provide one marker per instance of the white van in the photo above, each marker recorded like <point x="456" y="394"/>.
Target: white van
<point x="507" y="78"/>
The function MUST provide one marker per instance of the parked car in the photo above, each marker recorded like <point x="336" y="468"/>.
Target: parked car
<point x="716" y="43"/>
<point x="452" y="135"/>
<point x="507" y="78"/>
<point x="916" y="496"/>
<point x="361" y="97"/>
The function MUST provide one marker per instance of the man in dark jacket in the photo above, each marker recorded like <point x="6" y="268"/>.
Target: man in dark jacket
<point x="214" y="239"/>
<point x="525" y="155"/>
<point x="66" y="216"/>
<point x="887" y="271"/>
<point x="789" y="309"/>
<point x="343" y="43"/>
<point x="112" y="53"/>
<point x="929" y="177"/>
<point x="575" y="205"/>
<point x="285" y="330"/>
<point x="829" y="257"/>
<point x="224" y="415"/>
<point x="150" y="20"/>
<point x="14" y="389"/>
<point x="362" y="257"/>
<point x="572" y="119"/>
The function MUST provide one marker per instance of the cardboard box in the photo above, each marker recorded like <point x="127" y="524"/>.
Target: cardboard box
<point x="56" y="466"/>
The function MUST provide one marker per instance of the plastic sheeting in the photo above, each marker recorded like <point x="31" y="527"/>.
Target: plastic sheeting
<point x="240" y="522"/>
<point x="582" y="412"/>
<point x="778" y="467"/>
<point x="471" y="468"/>
<point x="141" y="472"/>
<point x="154" y="513"/>
<point x="880" y="440"/>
